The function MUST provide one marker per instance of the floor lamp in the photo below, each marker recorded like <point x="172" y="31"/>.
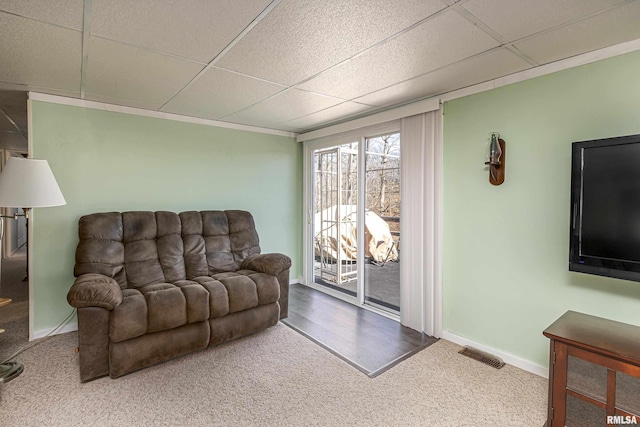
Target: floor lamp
<point x="26" y="184"/>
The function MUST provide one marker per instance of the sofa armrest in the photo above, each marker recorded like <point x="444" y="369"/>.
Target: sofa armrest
<point x="267" y="263"/>
<point x="95" y="290"/>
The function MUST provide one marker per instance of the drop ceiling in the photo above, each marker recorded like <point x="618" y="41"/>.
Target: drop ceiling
<point x="291" y="65"/>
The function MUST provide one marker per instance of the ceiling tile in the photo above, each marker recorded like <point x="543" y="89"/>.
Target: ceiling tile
<point x="328" y="115"/>
<point x="219" y="93"/>
<point x="13" y="141"/>
<point x="515" y="19"/>
<point x="481" y="68"/>
<point x="124" y="72"/>
<point x="6" y="125"/>
<point x="300" y="38"/>
<point x="192" y="29"/>
<point x="14" y="105"/>
<point x="427" y="47"/>
<point x="67" y="13"/>
<point x="606" y="29"/>
<point x="286" y="106"/>
<point x="38" y="54"/>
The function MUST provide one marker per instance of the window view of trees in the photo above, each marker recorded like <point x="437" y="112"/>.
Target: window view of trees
<point x="383" y="176"/>
<point x="382" y="161"/>
<point x="330" y="179"/>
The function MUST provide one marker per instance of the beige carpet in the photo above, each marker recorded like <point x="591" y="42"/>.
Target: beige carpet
<point x="275" y="378"/>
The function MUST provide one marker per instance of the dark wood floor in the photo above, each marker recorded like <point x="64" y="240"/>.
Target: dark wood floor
<point x="368" y="341"/>
<point x="382" y="283"/>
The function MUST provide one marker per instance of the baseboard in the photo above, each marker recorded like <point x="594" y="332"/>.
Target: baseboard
<point x="295" y="281"/>
<point x="506" y="357"/>
<point x="44" y="332"/>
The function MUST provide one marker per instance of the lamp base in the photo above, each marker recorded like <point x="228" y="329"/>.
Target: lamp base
<point x="9" y="371"/>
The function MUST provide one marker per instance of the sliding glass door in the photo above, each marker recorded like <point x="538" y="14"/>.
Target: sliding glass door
<point x="355" y="220"/>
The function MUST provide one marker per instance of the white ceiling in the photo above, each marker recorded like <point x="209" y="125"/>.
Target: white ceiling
<point x="293" y="65"/>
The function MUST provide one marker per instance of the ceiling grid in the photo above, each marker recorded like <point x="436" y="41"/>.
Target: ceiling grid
<point x="289" y="65"/>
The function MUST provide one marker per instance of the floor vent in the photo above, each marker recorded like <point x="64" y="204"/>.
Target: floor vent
<point x="481" y="356"/>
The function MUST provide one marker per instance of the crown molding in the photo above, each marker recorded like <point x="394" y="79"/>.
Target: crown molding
<point x="94" y="105"/>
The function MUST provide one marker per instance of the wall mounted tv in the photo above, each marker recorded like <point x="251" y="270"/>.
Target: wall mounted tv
<point x="605" y="207"/>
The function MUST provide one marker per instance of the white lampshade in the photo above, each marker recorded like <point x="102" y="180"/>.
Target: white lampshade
<point x="29" y="183"/>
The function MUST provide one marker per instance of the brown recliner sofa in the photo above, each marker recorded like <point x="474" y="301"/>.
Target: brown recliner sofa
<point x="152" y="286"/>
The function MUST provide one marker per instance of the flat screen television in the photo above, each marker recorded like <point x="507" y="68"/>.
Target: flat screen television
<point x="605" y="207"/>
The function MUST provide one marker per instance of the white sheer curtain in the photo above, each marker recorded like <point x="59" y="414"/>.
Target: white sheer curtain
<point x="421" y="195"/>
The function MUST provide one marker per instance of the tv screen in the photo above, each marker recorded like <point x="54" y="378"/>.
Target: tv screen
<point x="605" y="207"/>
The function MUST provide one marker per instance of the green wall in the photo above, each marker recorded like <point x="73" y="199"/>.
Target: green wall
<point x="506" y="250"/>
<point x="107" y="161"/>
<point x="505" y="275"/>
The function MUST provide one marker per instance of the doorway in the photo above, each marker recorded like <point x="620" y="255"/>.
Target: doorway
<point x="355" y="221"/>
<point x="15" y="230"/>
<point x="14" y="317"/>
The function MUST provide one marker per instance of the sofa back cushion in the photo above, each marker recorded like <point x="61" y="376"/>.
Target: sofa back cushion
<point x="142" y="248"/>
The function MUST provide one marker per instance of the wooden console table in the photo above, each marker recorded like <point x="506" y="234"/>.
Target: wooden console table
<point x="611" y="352"/>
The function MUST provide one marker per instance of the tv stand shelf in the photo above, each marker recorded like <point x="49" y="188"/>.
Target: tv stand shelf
<point x="611" y="350"/>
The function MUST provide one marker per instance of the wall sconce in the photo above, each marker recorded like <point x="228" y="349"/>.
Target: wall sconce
<point x="496" y="159"/>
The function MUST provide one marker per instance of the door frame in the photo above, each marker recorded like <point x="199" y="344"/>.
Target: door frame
<point x="7" y="251"/>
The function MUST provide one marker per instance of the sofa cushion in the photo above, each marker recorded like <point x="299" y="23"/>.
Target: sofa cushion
<point x="129" y="319"/>
<point x="218" y="296"/>
<point x="267" y="286"/>
<point x="170" y="246"/>
<point x="140" y="249"/>
<point x="243" y="236"/>
<point x="215" y="229"/>
<point x="197" y="298"/>
<point x="195" y="256"/>
<point x="166" y="307"/>
<point x="159" y="307"/>
<point x="217" y="241"/>
<point x="100" y="249"/>
<point x="248" y="289"/>
<point x="243" y="293"/>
